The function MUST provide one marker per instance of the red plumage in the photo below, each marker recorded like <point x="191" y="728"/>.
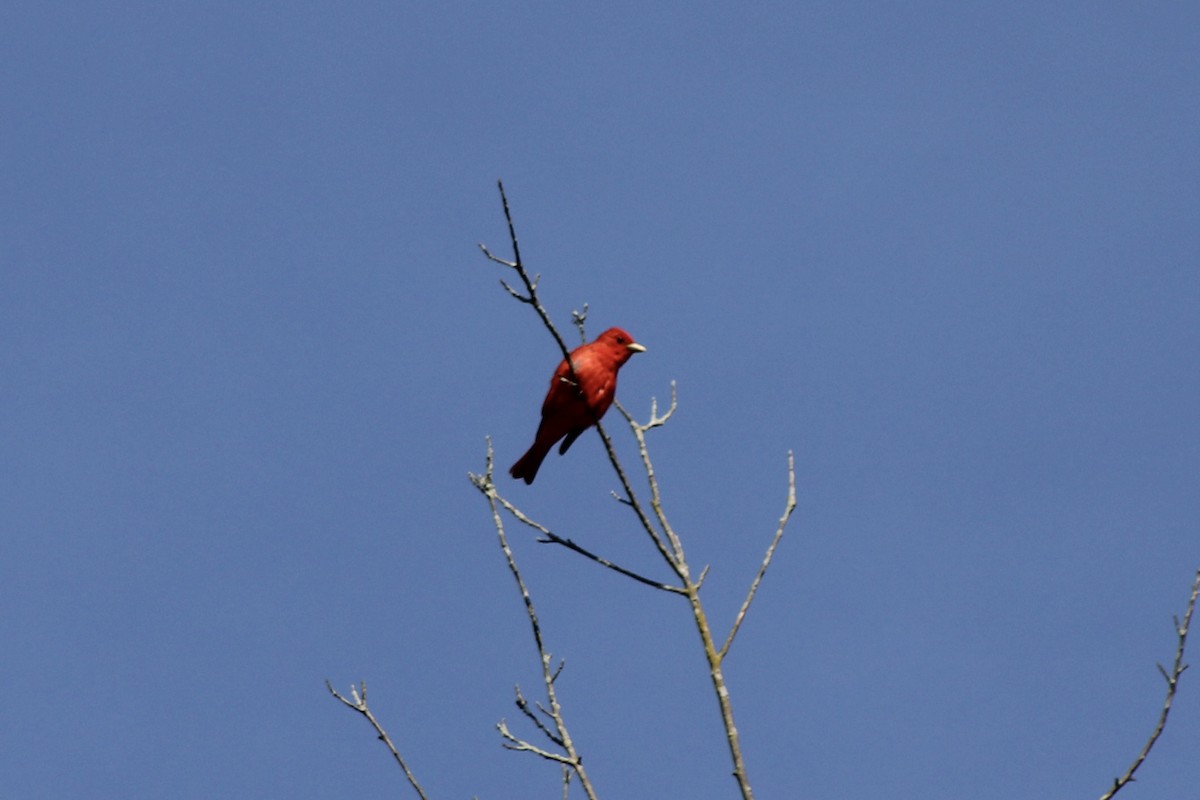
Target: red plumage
<point x="571" y="409"/>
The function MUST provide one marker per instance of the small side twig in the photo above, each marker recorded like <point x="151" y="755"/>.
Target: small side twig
<point x="359" y="704"/>
<point x="1172" y="679"/>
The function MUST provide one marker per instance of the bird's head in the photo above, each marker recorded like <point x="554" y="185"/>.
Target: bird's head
<point x="620" y="343"/>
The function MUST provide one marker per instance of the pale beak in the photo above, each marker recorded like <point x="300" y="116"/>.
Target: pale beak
<point x="634" y="347"/>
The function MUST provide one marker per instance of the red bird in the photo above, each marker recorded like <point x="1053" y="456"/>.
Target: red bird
<point x="568" y="409"/>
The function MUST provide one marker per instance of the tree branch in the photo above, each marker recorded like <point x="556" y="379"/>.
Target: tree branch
<point x="1172" y="679"/>
<point x="639" y="433"/>
<point x="359" y="704"/>
<point x="788" y="508"/>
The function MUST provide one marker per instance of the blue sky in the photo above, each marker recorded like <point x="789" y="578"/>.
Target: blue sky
<point x="946" y="253"/>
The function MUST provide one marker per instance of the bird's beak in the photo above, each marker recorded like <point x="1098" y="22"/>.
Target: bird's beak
<point x="634" y="347"/>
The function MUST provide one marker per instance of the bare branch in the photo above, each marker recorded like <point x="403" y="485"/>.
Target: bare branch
<point x="1172" y="685"/>
<point x="549" y="537"/>
<point x="512" y="231"/>
<point x="788" y="508"/>
<point x="676" y="558"/>
<point x="530" y="283"/>
<point x="497" y="259"/>
<point x="359" y="704"/>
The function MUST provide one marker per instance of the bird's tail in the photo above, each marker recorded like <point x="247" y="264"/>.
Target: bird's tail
<point x="527" y="466"/>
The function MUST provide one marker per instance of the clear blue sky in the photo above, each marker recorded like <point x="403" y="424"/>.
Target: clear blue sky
<point x="945" y="252"/>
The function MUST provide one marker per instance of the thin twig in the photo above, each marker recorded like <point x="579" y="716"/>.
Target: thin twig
<point x="549" y="537"/>
<point x="359" y="704"/>
<point x="1172" y="685"/>
<point x="552" y="538"/>
<point x="530" y="283"/>
<point x="788" y="508"/>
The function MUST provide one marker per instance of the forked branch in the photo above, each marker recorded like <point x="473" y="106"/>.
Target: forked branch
<point x="530" y="297"/>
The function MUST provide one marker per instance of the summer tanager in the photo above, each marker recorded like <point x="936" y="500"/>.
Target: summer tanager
<point x="571" y="407"/>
